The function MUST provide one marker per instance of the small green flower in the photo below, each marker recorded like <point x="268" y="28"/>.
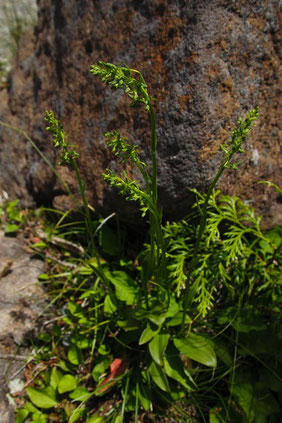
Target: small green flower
<point x="68" y="155"/>
<point x="119" y="77"/>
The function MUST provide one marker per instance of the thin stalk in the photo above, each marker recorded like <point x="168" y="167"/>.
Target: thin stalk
<point x="136" y="403"/>
<point x="154" y="153"/>
<point x="88" y="220"/>
<point x="125" y="398"/>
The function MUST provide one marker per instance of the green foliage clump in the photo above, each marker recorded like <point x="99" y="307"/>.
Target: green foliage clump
<point x="189" y="324"/>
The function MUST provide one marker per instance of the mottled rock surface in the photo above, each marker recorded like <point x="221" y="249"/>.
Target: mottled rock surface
<point x="206" y="62"/>
<point x="21" y="302"/>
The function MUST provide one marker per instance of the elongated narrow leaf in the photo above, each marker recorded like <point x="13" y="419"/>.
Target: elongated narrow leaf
<point x="55" y="378"/>
<point x="158" y="346"/>
<point x="147" y="334"/>
<point x="145" y="396"/>
<point x="43" y="398"/>
<point x="76" y="414"/>
<point x="197" y="348"/>
<point x="159" y="376"/>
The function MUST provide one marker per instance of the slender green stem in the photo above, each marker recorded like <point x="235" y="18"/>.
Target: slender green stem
<point x="154" y="153"/>
<point x="88" y="220"/>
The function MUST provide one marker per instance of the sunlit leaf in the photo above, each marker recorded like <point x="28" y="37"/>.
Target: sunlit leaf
<point x="197" y="348"/>
<point x="159" y="376"/>
<point x="109" y="306"/>
<point x="55" y="378"/>
<point x="67" y="383"/>
<point x="21" y="415"/>
<point x="147" y="334"/>
<point x="157" y="347"/>
<point x="43" y="398"/>
<point x="80" y="394"/>
<point x="102" y="364"/>
<point x="126" y="288"/>
<point x="75" y="355"/>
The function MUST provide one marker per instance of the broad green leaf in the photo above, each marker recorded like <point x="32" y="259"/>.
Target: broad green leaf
<point x="148" y="333"/>
<point x="244" y="393"/>
<point x="159" y="376"/>
<point x="197" y="348"/>
<point x="157" y="319"/>
<point x="176" y="320"/>
<point x="67" y="383"/>
<point x="102" y="364"/>
<point x="119" y="419"/>
<point x="43" y="398"/>
<point x="109" y="306"/>
<point x="21" y="415"/>
<point x="275" y="237"/>
<point x="156" y="313"/>
<point x="74" y="355"/>
<point x="173" y="307"/>
<point x="30" y="408"/>
<point x="157" y="347"/>
<point x="38" y="417"/>
<point x="81" y="341"/>
<point x="80" y="394"/>
<point x="64" y="366"/>
<point x="55" y="378"/>
<point x="126" y="288"/>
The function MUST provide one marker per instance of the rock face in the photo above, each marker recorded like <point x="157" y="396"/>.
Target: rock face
<point x="206" y="63"/>
<point x="22" y="300"/>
